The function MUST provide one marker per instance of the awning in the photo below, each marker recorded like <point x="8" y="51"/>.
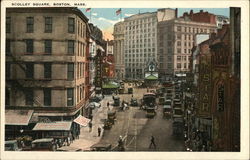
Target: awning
<point x="18" y="117"/>
<point x="110" y="85"/>
<point x="151" y="77"/>
<point x="53" y="126"/>
<point x="83" y="121"/>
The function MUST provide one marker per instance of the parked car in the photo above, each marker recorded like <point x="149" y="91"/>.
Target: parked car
<point x="116" y="101"/>
<point x="95" y="99"/>
<point x="11" y="146"/>
<point x="44" y="144"/>
<point x="101" y="147"/>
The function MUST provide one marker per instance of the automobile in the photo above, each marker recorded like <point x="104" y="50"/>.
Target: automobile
<point x="177" y="100"/>
<point x="101" y="147"/>
<point x="107" y="124"/>
<point x="94" y="105"/>
<point x="130" y="90"/>
<point x="11" y="145"/>
<point x="44" y="144"/>
<point x="95" y="99"/>
<point x="178" y="126"/>
<point x="161" y="100"/>
<point x="112" y="116"/>
<point x="150" y="112"/>
<point x="134" y="102"/>
<point x="116" y="101"/>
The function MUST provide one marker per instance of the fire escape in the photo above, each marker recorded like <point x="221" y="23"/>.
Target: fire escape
<point x="21" y="85"/>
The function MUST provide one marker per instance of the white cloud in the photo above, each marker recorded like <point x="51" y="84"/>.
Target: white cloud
<point x="94" y="14"/>
<point x="109" y="20"/>
<point x="128" y="15"/>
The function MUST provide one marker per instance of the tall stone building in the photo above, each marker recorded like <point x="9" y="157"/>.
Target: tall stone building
<point x="140" y="45"/>
<point x="118" y="50"/>
<point x="175" y="41"/>
<point x="46" y="63"/>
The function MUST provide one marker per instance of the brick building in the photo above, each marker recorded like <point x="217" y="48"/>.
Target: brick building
<point x="46" y="67"/>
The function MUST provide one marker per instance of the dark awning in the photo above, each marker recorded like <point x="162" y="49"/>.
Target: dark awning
<point x="18" y="117"/>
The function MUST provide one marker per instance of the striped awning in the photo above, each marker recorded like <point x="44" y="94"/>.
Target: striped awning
<point x="53" y="126"/>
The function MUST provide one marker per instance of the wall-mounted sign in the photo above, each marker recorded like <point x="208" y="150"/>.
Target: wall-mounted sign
<point x="220" y="99"/>
<point x="204" y="89"/>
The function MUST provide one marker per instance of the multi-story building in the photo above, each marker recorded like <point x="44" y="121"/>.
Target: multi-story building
<point x="175" y="41"/>
<point x="96" y="42"/>
<point x="46" y="63"/>
<point x="118" y="50"/>
<point x="140" y="43"/>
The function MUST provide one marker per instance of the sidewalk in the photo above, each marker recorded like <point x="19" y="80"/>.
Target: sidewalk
<point x="88" y="138"/>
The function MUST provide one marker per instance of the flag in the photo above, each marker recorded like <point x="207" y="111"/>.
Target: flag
<point x="87" y="9"/>
<point x="118" y="11"/>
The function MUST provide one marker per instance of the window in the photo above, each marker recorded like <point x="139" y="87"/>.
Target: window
<point x="178" y="50"/>
<point x="185" y="65"/>
<point x="7" y="47"/>
<point x="29" y="70"/>
<point x="48" y="46"/>
<point x="178" y="58"/>
<point x="48" y="24"/>
<point x="178" y="43"/>
<point x="8" y="24"/>
<point x="29" y="95"/>
<point x="47" y="96"/>
<point x="178" y="65"/>
<point x="71" y="25"/>
<point x="8" y="70"/>
<point x="47" y="70"/>
<point x="29" y="46"/>
<point x="70" y="95"/>
<point x="71" y="47"/>
<point x="70" y="71"/>
<point x="7" y="97"/>
<point x="179" y="28"/>
<point x="178" y="36"/>
<point x="30" y="24"/>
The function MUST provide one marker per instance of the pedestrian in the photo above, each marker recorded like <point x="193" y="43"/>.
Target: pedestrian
<point x="90" y="126"/>
<point x="99" y="131"/>
<point x="152" y="142"/>
<point x="108" y="104"/>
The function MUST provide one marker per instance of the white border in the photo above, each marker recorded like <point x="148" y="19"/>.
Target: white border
<point x="244" y="154"/>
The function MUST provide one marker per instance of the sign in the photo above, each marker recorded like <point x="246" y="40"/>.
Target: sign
<point x="220" y="94"/>
<point x="204" y="89"/>
<point x="98" y="77"/>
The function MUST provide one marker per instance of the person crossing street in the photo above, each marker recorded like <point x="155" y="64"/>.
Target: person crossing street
<point x="152" y="142"/>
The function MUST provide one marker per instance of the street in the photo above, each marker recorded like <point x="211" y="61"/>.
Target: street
<point x="137" y="129"/>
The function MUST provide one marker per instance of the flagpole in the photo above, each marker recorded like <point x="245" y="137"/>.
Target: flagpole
<point x="121" y="15"/>
<point x="90" y="15"/>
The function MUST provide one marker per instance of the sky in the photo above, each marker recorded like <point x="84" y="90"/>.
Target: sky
<point x="105" y="18"/>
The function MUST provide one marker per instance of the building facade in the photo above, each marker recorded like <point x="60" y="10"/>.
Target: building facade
<point x="140" y="43"/>
<point x="118" y="50"/>
<point x="175" y="40"/>
<point x="221" y="20"/>
<point x="46" y="63"/>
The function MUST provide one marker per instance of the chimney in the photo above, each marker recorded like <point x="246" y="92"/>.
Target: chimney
<point x="176" y="12"/>
<point x="191" y="12"/>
